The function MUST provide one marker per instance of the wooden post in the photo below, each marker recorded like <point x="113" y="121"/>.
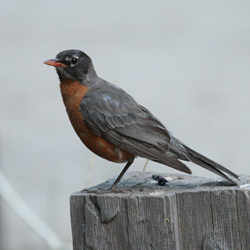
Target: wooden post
<point x="188" y="213"/>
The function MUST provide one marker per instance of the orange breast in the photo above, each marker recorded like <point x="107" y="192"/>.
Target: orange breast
<point x="72" y="94"/>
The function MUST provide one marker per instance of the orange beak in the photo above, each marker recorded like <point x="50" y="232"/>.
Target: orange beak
<point x="55" y="63"/>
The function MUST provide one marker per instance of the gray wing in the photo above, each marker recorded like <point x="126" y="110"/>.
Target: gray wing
<point x="114" y="115"/>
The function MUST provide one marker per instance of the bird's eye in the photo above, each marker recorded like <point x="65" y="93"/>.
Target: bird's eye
<point x="74" y="60"/>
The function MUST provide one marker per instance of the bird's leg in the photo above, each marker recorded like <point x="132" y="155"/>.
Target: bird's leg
<point x="113" y="187"/>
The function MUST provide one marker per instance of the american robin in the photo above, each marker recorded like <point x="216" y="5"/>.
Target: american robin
<point x="113" y="125"/>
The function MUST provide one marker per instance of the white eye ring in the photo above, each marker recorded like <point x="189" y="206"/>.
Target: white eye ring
<point x="74" y="60"/>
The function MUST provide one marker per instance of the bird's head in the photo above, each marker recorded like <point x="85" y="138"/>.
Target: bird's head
<point x="72" y="65"/>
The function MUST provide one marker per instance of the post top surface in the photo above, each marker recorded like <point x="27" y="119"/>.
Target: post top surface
<point x="142" y="184"/>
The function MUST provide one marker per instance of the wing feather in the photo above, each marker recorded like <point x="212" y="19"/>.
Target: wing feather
<point x="110" y="109"/>
<point x="115" y="116"/>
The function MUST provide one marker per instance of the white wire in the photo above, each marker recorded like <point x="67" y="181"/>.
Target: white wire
<point x="145" y="166"/>
<point x="90" y="169"/>
<point x="21" y="208"/>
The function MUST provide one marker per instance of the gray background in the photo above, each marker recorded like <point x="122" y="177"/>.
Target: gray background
<point x="186" y="61"/>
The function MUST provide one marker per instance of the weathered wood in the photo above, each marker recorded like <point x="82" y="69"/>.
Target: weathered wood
<point x="188" y="213"/>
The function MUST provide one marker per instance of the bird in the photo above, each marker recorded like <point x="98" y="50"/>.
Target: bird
<point x="114" y="126"/>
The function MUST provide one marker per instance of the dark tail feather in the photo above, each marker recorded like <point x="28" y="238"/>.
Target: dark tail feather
<point x="209" y="164"/>
<point x="174" y="163"/>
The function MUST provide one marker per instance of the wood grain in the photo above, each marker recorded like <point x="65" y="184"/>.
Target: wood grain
<point x="187" y="213"/>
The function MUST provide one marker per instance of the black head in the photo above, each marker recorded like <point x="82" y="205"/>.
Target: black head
<point x="72" y="65"/>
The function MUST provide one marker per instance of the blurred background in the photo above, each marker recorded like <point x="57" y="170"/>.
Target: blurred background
<point x="186" y="61"/>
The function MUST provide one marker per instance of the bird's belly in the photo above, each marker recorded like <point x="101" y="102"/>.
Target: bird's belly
<point x="72" y="95"/>
<point x="97" y="144"/>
